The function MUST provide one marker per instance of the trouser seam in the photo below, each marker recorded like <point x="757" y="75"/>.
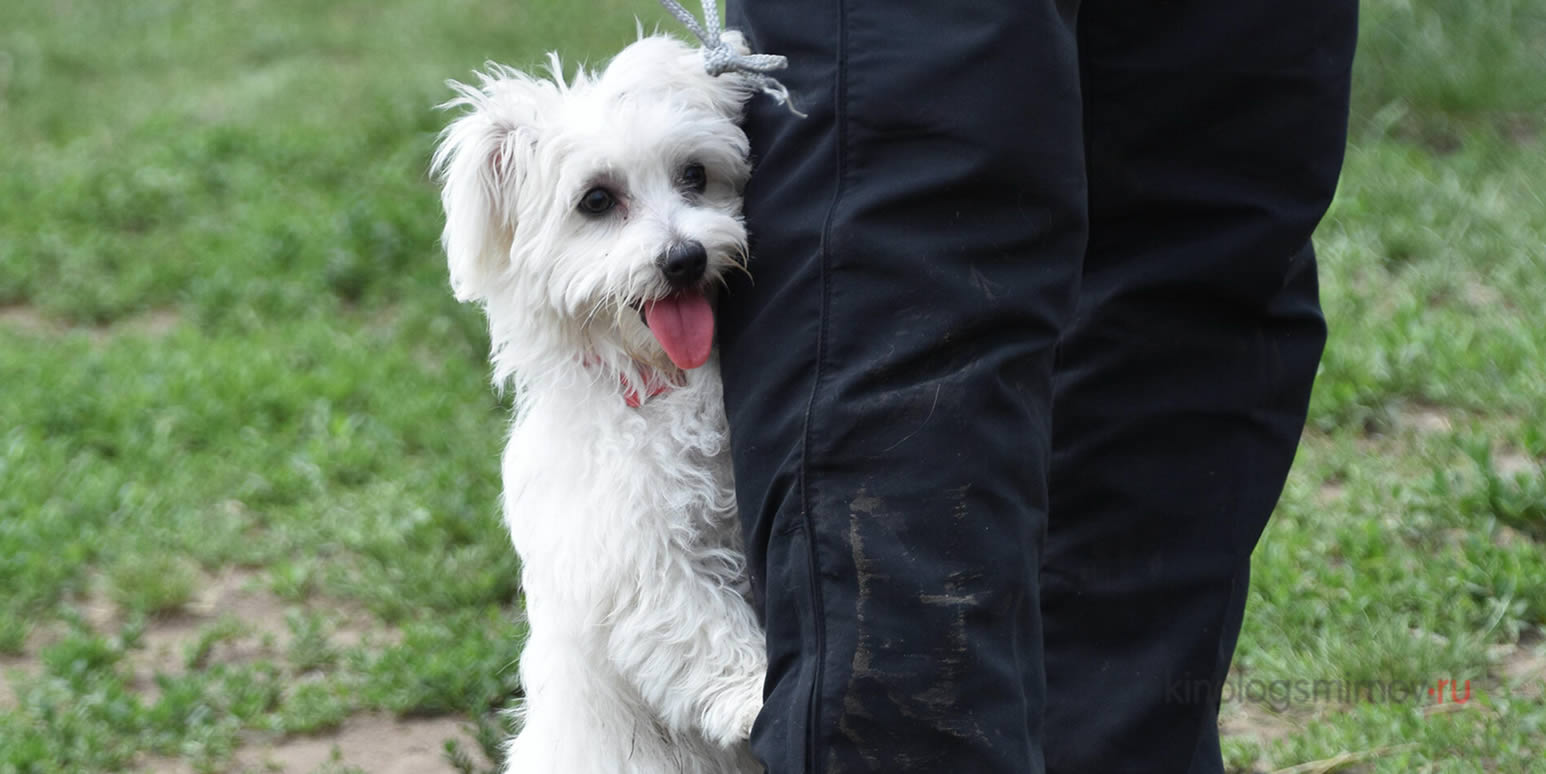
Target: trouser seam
<point x="840" y="128"/>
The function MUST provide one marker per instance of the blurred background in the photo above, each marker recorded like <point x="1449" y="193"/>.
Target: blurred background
<point x="248" y="482"/>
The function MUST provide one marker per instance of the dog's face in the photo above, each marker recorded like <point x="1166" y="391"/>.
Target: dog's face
<point x="608" y="206"/>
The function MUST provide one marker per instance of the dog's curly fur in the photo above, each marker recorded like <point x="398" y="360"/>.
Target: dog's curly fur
<point x="644" y="654"/>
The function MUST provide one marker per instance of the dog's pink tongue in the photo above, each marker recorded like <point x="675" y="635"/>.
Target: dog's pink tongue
<point x="683" y="323"/>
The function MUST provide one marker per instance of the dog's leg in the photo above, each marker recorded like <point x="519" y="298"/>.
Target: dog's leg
<point x="579" y="718"/>
<point x="690" y="645"/>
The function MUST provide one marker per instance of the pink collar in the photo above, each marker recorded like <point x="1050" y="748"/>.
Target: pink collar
<point x="631" y="395"/>
<point x="662" y="385"/>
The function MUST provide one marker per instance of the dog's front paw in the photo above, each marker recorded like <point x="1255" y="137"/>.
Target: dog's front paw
<point x="730" y="723"/>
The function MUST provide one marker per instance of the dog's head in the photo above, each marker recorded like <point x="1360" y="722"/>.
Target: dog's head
<point x="600" y="211"/>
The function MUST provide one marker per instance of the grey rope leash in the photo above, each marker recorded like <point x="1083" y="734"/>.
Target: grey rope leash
<point x="719" y="58"/>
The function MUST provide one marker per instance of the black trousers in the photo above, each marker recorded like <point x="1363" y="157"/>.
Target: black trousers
<point x="1023" y="367"/>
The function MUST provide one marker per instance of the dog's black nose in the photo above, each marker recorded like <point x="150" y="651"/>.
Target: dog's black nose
<point x="684" y="264"/>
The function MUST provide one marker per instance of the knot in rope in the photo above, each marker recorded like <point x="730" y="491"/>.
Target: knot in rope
<point x="719" y="57"/>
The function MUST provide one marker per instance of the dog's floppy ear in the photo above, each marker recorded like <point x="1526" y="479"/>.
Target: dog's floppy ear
<point x="480" y="162"/>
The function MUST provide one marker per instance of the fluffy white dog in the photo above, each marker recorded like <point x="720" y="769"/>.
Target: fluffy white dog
<point x="592" y="219"/>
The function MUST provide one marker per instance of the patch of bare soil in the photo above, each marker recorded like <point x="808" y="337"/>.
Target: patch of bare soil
<point x="27" y="318"/>
<point x="1480" y="295"/>
<point x="374" y="743"/>
<point x="1254" y="722"/>
<point x="1258" y="723"/>
<point x="26" y="665"/>
<point x="1524" y="668"/>
<point x="261" y="628"/>
<point x="167" y="640"/>
<point x="1512" y="462"/>
<point x="1505" y="536"/>
<point x="1522" y="128"/>
<point x="1422" y="419"/>
<point x="18" y="666"/>
<point x="379" y="744"/>
<point x="1331" y="491"/>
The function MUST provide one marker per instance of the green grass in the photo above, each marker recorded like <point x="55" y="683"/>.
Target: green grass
<point x="228" y="349"/>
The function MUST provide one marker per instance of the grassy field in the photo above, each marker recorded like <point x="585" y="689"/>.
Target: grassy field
<point x="247" y="445"/>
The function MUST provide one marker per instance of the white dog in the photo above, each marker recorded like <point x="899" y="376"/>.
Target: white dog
<point x="592" y="220"/>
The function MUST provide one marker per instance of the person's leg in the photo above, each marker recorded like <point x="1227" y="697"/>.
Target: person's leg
<point x="1214" y="133"/>
<point x="888" y="374"/>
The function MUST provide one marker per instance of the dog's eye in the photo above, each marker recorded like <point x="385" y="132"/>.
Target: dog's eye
<point x="597" y="201"/>
<point x="695" y="178"/>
